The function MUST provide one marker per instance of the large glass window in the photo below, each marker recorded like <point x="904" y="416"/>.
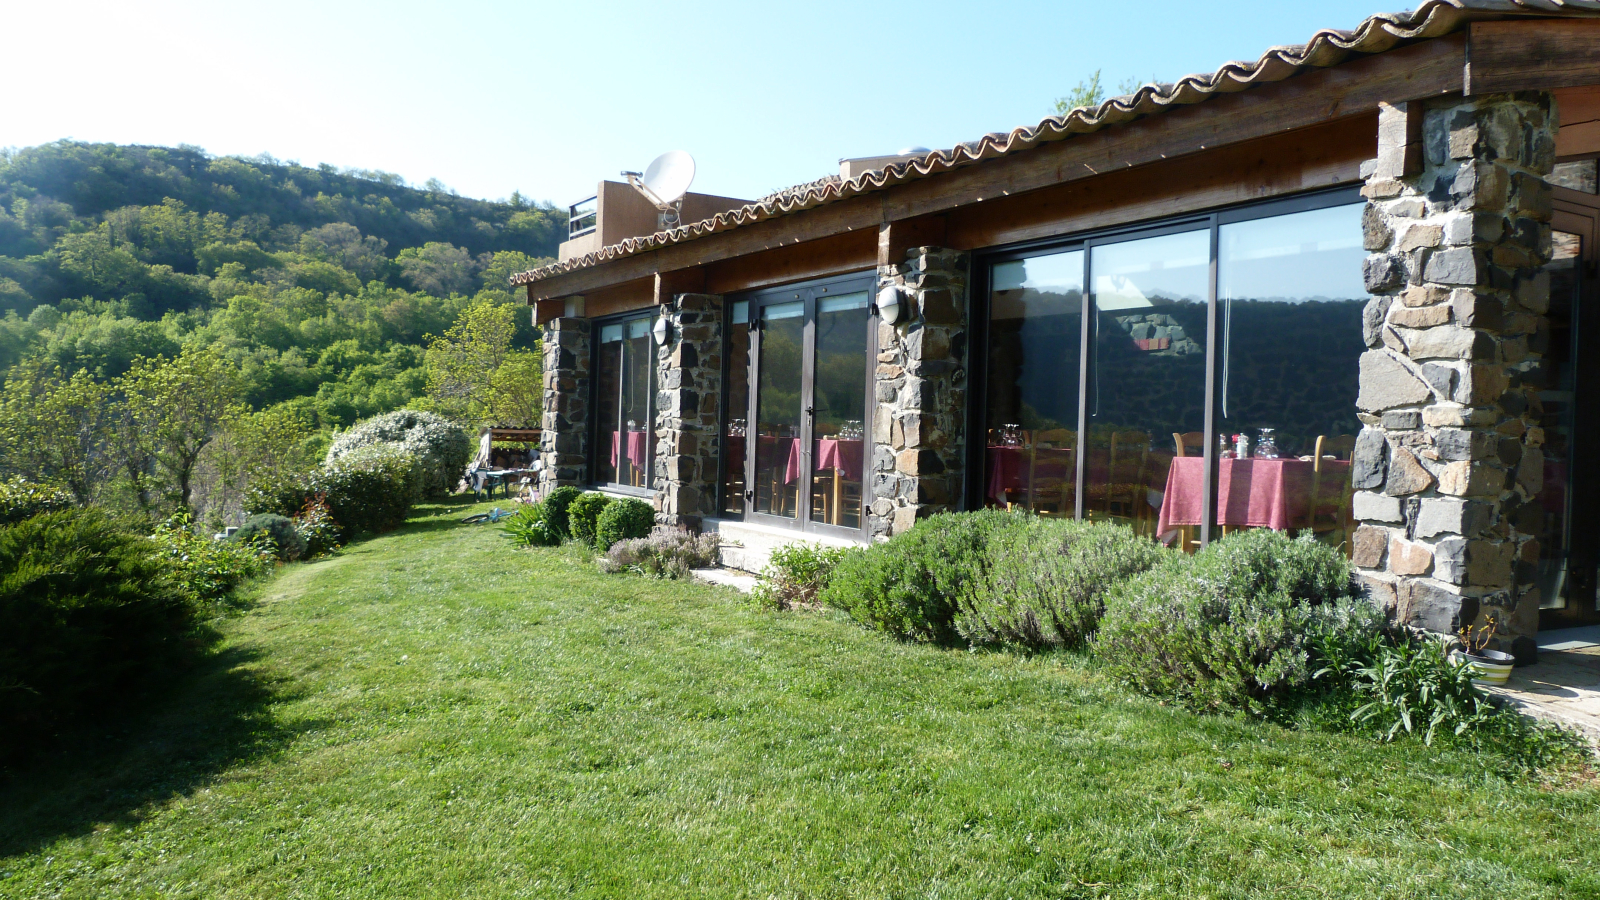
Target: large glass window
<point x="1290" y="297"/>
<point x="1556" y="377"/>
<point x="1035" y="337"/>
<point x="1149" y="384"/>
<point x="737" y="405"/>
<point x="839" y="394"/>
<point x="778" y="410"/>
<point x="624" y="411"/>
<point x="1283" y="376"/>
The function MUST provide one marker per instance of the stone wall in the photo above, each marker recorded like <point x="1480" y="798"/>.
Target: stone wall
<point x="689" y="382"/>
<point x="564" y="443"/>
<point x="920" y="390"/>
<point x="1448" y="465"/>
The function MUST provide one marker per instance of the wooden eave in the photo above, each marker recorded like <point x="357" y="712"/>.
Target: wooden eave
<point x="1486" y="57"/>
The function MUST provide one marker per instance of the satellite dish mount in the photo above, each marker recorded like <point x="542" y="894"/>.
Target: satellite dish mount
<point x="664" y="183"/>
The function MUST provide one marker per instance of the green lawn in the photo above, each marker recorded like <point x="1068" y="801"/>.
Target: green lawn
<point x="434" y="715"/>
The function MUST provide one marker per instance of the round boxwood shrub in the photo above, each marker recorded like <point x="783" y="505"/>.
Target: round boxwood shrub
<point x="623" y="520"/>
<point x="908" y="586"/>
<point x="87" y="613"/>
<point x="584" y="513"/>
<point x="555" y="508"/>
<point x="280" y="531"/>
<point x="440" y="446"/>
<point x="1045" y="584"/>
<point x="370" y="489"/>
<point x="22" y="499"/>
<point x="1235" y="626"/>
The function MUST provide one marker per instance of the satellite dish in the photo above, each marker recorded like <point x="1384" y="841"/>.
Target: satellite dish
<point x="668" y="176"/>
<point x="664" y="183"/>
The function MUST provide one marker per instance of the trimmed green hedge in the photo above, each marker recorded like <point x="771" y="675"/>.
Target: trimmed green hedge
<point x="583" y="515"/>
<point x="623" y="520"/>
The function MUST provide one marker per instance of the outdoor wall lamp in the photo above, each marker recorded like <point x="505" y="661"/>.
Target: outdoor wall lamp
<point x="662" y="330"/>
<point x="889" y="305"/>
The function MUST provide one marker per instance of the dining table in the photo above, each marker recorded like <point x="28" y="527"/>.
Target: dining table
<point x="1251" y="492"/>
<point x="1019" y="468"/>
<point x="637" y="450"/>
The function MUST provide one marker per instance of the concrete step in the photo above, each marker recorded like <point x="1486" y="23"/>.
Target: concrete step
<point x="740" y="581"/>
<point x="748" y="547"/>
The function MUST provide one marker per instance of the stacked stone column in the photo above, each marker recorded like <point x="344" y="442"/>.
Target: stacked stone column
<point x="564" y="437"/>
<point x="689" y="377"/>
<point x="920" y="390"/>
<point x="1448" y="466"/>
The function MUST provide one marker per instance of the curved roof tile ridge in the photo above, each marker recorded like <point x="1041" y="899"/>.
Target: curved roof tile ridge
<point x="1328" y="47"/>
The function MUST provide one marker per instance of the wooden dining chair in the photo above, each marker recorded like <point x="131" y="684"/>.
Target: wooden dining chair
<point x="1341" y="447"/>
<point x="1051" y="492"/>
<point x="1125" y="477"/>
<point x="1189" y="440"/>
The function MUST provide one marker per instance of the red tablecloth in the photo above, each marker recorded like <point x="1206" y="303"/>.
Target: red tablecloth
<point x="638" y="451"/>
<point x="1252" y="493"/>
<point x="842" y="456"/>
<point x="1008" y="471"/>
<point x="1008" y="468"/>
<point x="735" y="445"/>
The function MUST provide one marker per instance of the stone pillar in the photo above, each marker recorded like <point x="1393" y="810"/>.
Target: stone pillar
<point x="1448" y="466"/>
<point x="564" y="439"/>
<point x="920" y="387"/>
<point x="689" y="378"/>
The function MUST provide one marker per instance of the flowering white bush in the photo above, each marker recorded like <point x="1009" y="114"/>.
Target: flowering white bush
<point x="441" y="447"/>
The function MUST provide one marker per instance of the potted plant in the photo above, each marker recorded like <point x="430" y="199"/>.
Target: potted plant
<point x="1489" y="666"/>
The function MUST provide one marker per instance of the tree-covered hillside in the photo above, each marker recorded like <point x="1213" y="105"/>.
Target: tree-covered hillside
<point x="319" y="284"/>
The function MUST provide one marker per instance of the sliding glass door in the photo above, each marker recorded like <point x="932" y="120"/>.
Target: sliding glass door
<point x="1183" y="379"/>
<point x="796" y="453"/>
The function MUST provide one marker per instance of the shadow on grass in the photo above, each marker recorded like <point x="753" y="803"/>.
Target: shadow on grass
<point x="215" y="716"/>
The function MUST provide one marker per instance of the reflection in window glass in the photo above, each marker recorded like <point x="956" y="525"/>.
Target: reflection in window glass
<point x="1556" y="377"/>
<point x="737" y="407"/>
<point x="624" y="429"/>
<point x="1149" y="389"/>
<point x="1291" y="295"/>
<point x="1035" y="334"/>
<point x="777" y="431"/>
<point x="840" y="397"/>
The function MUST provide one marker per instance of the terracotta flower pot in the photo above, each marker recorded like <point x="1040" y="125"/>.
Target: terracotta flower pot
<point x="1489" y="666"/>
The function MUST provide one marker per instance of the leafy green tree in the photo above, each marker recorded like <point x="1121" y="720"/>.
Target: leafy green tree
<point x="55" y="427"/>
<point x="1090" y="93"/>
<point x="438" y="268"/>
<point x="475" y="374"/>
<point x="176" y="408"/>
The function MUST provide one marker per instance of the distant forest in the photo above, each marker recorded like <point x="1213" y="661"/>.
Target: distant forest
<point x="320" y="284"/>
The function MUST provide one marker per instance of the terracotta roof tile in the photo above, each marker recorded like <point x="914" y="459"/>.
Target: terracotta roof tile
<point x="1431" y="19"/>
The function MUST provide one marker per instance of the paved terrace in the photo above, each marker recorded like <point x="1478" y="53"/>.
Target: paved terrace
<point x="1564" y="686"/>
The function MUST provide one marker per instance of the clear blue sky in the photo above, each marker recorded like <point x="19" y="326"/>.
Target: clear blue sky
<point x="548" y="98"/>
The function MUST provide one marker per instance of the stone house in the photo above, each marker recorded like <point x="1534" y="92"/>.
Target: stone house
<point x="1341" y="289"/>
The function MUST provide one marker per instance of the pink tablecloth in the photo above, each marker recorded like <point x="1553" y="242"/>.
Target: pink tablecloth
<point x="638" y="451"/>
<point x="1252" y="493"/>
<point x="1008" y="469"/>
<point x="841" y="456"/>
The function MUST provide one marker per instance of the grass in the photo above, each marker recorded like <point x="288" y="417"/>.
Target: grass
<point x="433" y="715"/>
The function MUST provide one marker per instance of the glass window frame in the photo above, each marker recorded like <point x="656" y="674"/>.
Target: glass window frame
<point x="596" y="325"/>
<point x="809" y="292"/>
<point x="978" y="342"/>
